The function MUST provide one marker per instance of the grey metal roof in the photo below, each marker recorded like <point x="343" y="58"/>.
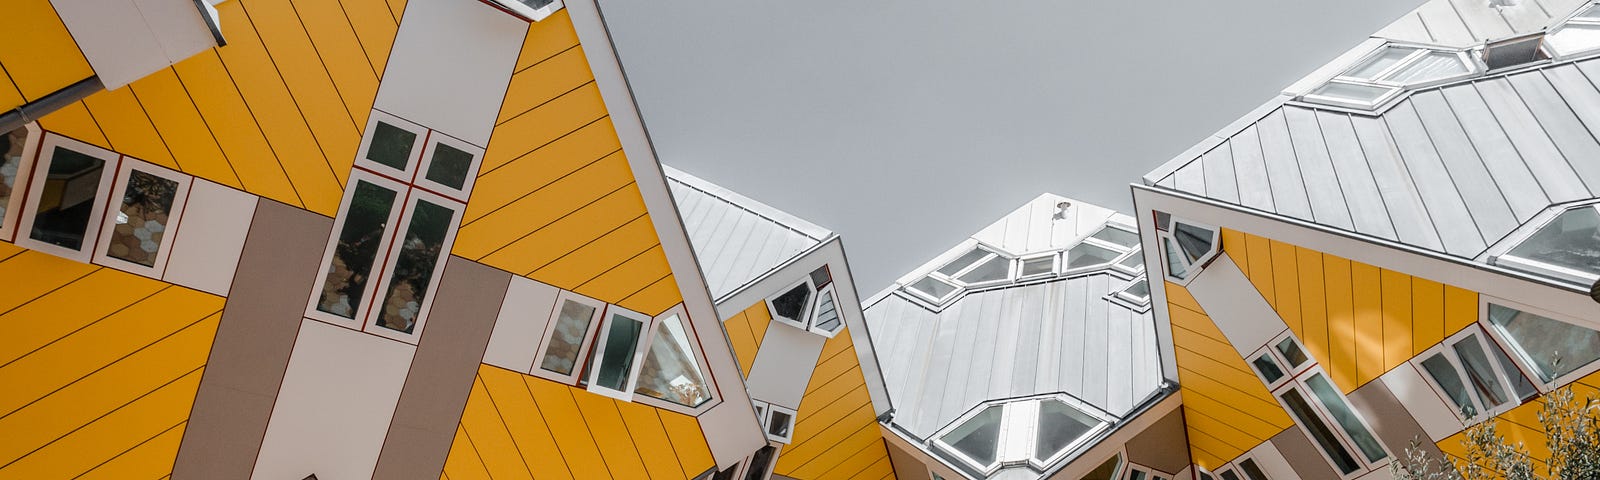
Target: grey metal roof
<point x="738" y="240"/>
<point x="1462" y="23"/>
<point x="1451" y="169"/>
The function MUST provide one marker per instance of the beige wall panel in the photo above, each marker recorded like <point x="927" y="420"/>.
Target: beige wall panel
<point x="1389" y="418"/>
<point x="450" y="66"/>
<point x="1303" y="456"/>
<point x="1429" y="411"/>
<point x="906" y="465"/>
<point x="206" y="252"/>
<point x="783" y="365"/>
<point x="333" y="410"/>
<point x="1240" y="312"/>
<point x="253" y="341"/>
<point x="1271" y="461"/>
<point x="520" y="324"/>
<point x="442" y="371"/>
<point x="1162" y="445"/>
<point x="178" y="27"/>
<point x="124" y="40"/>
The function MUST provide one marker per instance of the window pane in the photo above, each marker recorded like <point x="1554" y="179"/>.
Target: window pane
<point x="821" y="276"/>
<point x="1106" y="471"/>
<point x="1291" y="351"/>
<point x="994" y="269"/>
<point x="359" y="239"/>
<point x="420" y="250"/>
<point x="1118" y="236"/>
<point x="572" y="325"/>
<point x="1268" y="367"/>
<point x="70" y="188"/>
<point x="142" y="218"/>
<point x="1574" y="38"/>
<point x="778" y="425"/>
<point x="1038" y="266"/>
<point x="1379" y="62"/>
<point x="391" y="146"/>
<point x="933" y="287"/>
<point x="759" y="463"/>
<point x="1087" y="255"/>
<point x="622" y="340"/>
<point x="827" y="312"/>
<point x="670" y="371"/>
<point x="961" y="262"/>
<point x="1175" y="261"/>
<point x="1195" y="241"/>
<point x="1140" y="289"/>
<point x="978" y="437"/>
<point x="1137" y="475"/>
<point x="1591" y="14"/>
<point x="1359" y="94"/>
<point x="11" y="153"/>
<point x="1228" y="475"/>
<point x="1135" y="261"/>
<point x="449" y="166"/>
<point x="792" y="304"/>
<point x="1059" y="425"/>
<point x="1572" y="240"/>
<point x="1524" y="389"/>
<point x="1555" y="348"/>
<point x="1484" y="381"/>
<point x="1252" y="470"/>
<point x="1444" y="374"/>
<point x="1345" y="417"/>
<point x="1431" y="67"/>
<point x="1320" y="432"/>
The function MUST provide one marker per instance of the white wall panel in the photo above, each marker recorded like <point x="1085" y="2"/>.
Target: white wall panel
<point x="1229" y="298"/>
<point x="521" y="324"/>
<point x="1430" y="411"/>
<point x="210" y="238"/>
<point x="783" y="365"/>
<point x="450" y="66"/>
<point x="1271" y="461"/>
<point x="334" y="407"/>
<point x="124" y="40"/>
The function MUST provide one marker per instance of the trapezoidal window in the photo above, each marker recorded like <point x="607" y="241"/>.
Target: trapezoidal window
<point x="671" y="370"/>
<point x="148" y="202"/>
<point x="17" y="150"/>
<point x="1038" y="431"/>
<point x="612" y="367"/>
<point x="566" y="338"/>
<point x="1567" y="248"/>
<point x="1579" y="34"/>
<point x="1473" y="373"/>
<point x="67" y="198"/>
<point x="1386" y="72"/>
<point x="1186" y="247"/>
<point x="1554" y="350"/>
<point x="812" y="304"/>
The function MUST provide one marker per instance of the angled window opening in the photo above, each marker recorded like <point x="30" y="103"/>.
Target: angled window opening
<point x="822" y="276"/>
<point x="392" y="146"/>
<point x="1133" y="264"/>
<point x="613" y="368"/>
<point x="1471" y="372"/>
<point x="1387" y="72"/>
<point x="779" y="424"/>
<point x="826" y="319"/>
<point x="1579" y="34"/>
<point x="1186" y="248"/>
<point x="793" y="306"/>
<point x="449" y="166"/>
<point x="760" y="464"/>
<point x="1552" y="349"/>
<point x="975" y="439"/>
<point x="1340" y="434"/>
<point x="1565" y="248"/>
<point x="672" y="371"/>
<point x="148" y="203"/>
<point x="18" y="149"/>
<point x="1141" y="472"/>
<point x="567" y="335"/>
<point x="1107" y="470"/>
<point x="1117" y="235"/>
<point x="1086" y="255"/>
<point x="1062" y="429"/>
<point x="1038" y="266"/>
<point x="67" y="198"/>
<point x="1037" y="432"/>
<point x="371" y="205"/>
<point x="528" y="10"/>
<point x="1136" y="292"/>
<point x="1514" y="52"/>
<point x="993" y="269"/>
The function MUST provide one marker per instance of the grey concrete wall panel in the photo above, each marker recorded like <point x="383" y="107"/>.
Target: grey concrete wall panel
<point x="253" y="342"/>
<point x="1390" y="420"/>
<point x="1303" y="455"/>
<point x="442" y="371"/>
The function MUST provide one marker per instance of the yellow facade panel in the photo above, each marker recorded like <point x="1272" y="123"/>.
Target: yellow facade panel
<point x="70" y="307"/>
<point x="1460" y="309"/>
<point x="546" y="38"/>
<point x="604" y="252"/>
<point x="375" y="26"/>
<point x="539" y="248"/>
<point x="744" y="345"/>
<point x="75" y="121"/>
<point x="644" y="425"/>
<point x="531" y="130"/>
<point x="1427" y="314"/>
<point x="1217" y="384"/>
<point x="462" y="463"/>
<point x="656" y="297"/>
<point x="1237" y="246"/>
<point x="347" y="64"/>
<point x="83" y="449"/>
<point x="566" y="423"/>
<point x="490" y="437"/>
<point x="40" y="55"/>
<point x="1341" y="360"/>
<point x="10" y="97"/>
<point x="1397" y="328"/>
<point x="498" y="187"/>
<point x="245" y="149"/>
<point x="151" y="459"/>
<point x="883" y="469"/>
<point x="1313" y="302"/>
<point x="865" y="444"/>
<point x="525" y="422"/>
<point x="304" y="71"/>
<point x="180" y="123"/>
<point x="622" y="457"/>
<point x="688" y="441"/>
<point x="482" y="238"/>
<point x="1286" y="283"/>
<point x="629" y="278"/>
<point x="127" y="127"/>
<point x="545" y="81"/>
<point x="823" y="441"/>
<point x="1260" y="272"/>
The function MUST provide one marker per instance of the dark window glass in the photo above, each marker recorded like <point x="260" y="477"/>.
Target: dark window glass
<point x="1252" y="470"/>
<point x="1484" y="381"/>
<point x="1444" y="374"/>
<point x="353" y="256"/>
<point x="821" y="276"/>
<point x="1137" y="475"/>
<point x="1320" y="432"/>
<point x="727" y="474"/>
<point x="792" y="304"/>
<point x="1345" y="417"/>
<point x="1291" y="351"/>
<point x="572" y="325"/>
<point x="1175" y="262"/>
<point x="11" y="146"/>
<point x="778" y="425"/>
<point x="1038" y="266"/>
<point x="536" y="3"/>
<point x="450" y="166"/>
<point x="1195" y="241"/>
<point x="962" y="262"/>
<point x="391" y="146"/>
<point x="827" y="312"/>
<point x="142" y="218"/>
<point x="1268" y="368"/>
<point x="622" y="340"/>
<point x="1228" y="475"/>
<point x="1140" y="289"/>
<point x="62" y="216"/>
<point x="759" y="463"/>
<point x="420" y="250"/>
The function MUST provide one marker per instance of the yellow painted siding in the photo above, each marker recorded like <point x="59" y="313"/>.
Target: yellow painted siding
<point x="1357" y="320"/>
<point x="278" y="112"/>
<point x="745" y="331"/>
<point x="1521" y="425"/>
<point x="100" y="368"/>
<point x="836" y="433"/>
<point x="39" y="55"/>
<point x="1226" y="408"/>
<point x="555" y="199"/>
<point x="518" y="426"/>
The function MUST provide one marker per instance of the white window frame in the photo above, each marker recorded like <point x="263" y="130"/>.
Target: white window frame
<point x="805" y="312"/>
<point x="1130" y="468"/>
<point x="766" y="423"/>
<point x="102" y="251"/>
<point x="926" y="297"/>
<point x="1121" y="253"/>
<point x="395" y="211"/>
<point x="1298" y="383"/>
<point x="525" y="12"/>
<point x="1055" y="265"/>
<point x="391" y="252"/>
<point x="838" y="308"/>
<point x="1488" y="345"/>
<point x="1191" y="268"/>
<point x="20" y="187"/>
<point x="434" y="139"/>
<point x="1527" y="367"/>
<point x="1500" y="253"/>
<point x="599" y="353"/>
<point x="1237" y="467"/>
<point x="41" y="168"/>
<point x="1137" y="270"/>
<point x="1381" y="79"/>
<point x="412" y="163"/>
<point x="1134" y="300"/>
<point x="1105" y="418"/>
<point x="1021" y="413"/>
<point x="955" y="279"/>
<point x="595" y="320"/>
<point x="699" y="357"/>
<point x="1572" y="19"/>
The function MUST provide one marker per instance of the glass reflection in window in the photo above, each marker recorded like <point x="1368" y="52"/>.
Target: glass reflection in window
<point x="616" y="362"/>
<point x="142" y="219"/>
<point x="1553" y="347"/>
<point x="70" y="191"/>
<point x="566" y="341"/>
<point x="671" y="371"/>
<point x="420" y="250"/>
<point x="359" y="239"/>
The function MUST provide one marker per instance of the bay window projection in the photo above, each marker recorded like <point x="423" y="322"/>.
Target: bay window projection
<point x="1556" y="351"/>
<point x="1339" y="432"/>
<point x="1387" y="72"/>
<point x="1185" y="246"/>
<point x="810" y="304"/>
<point x="1474" y="375"/>
<point x="1565" y="248"/>
<point x="66" y="198"/>
<point x="980" y="266"/>
<point x="655" y="361"/>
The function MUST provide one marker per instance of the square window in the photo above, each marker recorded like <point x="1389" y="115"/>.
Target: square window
<point x="450" y="166"/>
<point x="136" y="235"/>
<point x="67" y="198"/>
<point x="391" y="146"/>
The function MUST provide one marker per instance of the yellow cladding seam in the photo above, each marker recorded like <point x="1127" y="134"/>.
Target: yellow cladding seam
<point x="1521" y="425"/>
<point x="278" y="112"/>
<point x="555" y="199"/>
<point x="518" y="426"/>
<point x="836" y="433"/>
<point x="1357" y="320"/>
<point x="1227" y="410"/>
<point x="101" y="371"/>
<point x="746" y="330"/>
<point x="40" y="56"/>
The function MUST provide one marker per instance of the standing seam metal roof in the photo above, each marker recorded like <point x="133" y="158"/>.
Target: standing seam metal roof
<point x="737" y="240"/>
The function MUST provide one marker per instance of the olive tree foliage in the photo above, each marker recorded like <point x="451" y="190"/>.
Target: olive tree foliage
<point x="1572" y="432"/>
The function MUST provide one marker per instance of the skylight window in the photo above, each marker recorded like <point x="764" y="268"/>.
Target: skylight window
<point x="1581" y="33"/>
<point x="1550" y="348"/>
<point x="1112" y="248"/>
<point x="1386" y="72"/>
<point x="1037" y="431"/>
<point x="1567" y="248"/>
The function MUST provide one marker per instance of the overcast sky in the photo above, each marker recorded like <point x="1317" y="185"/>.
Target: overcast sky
<point x="908" y="126"/>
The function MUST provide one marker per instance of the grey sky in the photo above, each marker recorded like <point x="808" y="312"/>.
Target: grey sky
<point x="907" y="126"/>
